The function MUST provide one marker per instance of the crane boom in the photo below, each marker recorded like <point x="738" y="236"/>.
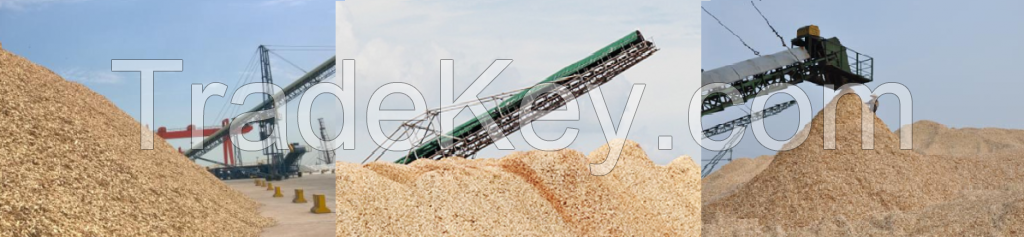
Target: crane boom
<point x="320" y="73"/>
<point x="165" y="133"/>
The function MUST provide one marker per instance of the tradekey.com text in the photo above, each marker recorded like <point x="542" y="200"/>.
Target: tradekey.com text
<point x="469" y="99"/>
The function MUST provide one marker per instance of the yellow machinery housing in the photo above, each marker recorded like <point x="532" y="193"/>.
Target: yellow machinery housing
<point x="810" y="30"/>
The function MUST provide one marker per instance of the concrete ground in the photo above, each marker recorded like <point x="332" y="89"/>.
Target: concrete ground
<point x="293" y="219"/>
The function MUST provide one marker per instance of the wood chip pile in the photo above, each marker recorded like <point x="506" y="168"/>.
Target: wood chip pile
<point x="734" y="174"/>
<point x="994" y="212"/>
<point x="70" y="165"/>
<point x="525" y="193"/>
<point x="808" y="184"/>
<point x="932" y="138"/>
<point x="977" y="187"/>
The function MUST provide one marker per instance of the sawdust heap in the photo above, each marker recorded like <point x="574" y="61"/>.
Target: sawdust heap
<point x="997" y="212"/>
<point x="525" y="193"/>
<point x="932" y="138"/>
<point x="808" y="184"/>
<point x="734" y="174"/>
<point x="71" y="166"/>
<point x="975" y="213"/>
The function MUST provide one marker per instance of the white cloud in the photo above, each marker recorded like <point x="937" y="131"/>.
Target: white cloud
<point x="91" y="76"/>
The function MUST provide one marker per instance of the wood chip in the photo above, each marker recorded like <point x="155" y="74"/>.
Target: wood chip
<point x="932" y="138"/>
<point x="947" y="188"/>
<point x="524" y="193"/>
<point x="732" y="175"/>
<point x="71" y="166"/>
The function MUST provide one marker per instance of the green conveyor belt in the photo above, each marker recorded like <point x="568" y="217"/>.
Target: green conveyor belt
<point x="514" y="103"/>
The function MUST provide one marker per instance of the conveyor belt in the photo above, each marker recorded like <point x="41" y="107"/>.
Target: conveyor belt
<point x="595" y="70"/>
<point x="754" y="66"/>
<point x="322" y="72"/>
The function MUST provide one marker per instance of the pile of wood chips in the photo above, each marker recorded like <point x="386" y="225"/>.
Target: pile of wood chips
<point x="809" y="184"/>
<point x="734" y="174"/>
<point x="994" y="212"/>
<point x="71" y="165"/>
<point x="946" y="188"/>
<point x="932" y="138"/>
<point x="525" y="193"/>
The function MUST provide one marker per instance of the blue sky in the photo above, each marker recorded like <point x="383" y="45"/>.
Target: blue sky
<point x="216" y="39"/>
<point x="394" y="41"/>
<point x="957" y="59"/>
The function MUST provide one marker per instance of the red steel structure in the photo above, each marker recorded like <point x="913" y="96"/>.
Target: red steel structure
<point x="229" y="153"/>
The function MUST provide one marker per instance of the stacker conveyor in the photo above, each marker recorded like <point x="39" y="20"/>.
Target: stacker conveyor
<point x="822" y="61"/>
<point x="531" y="103"/>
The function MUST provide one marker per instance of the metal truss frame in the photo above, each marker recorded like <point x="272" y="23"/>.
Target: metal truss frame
<point x="467" y="146"/>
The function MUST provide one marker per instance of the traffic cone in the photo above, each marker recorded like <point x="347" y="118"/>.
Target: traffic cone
<point x="319" y="204"/>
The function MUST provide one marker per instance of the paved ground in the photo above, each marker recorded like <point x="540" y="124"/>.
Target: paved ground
<point x="293" y="219"/>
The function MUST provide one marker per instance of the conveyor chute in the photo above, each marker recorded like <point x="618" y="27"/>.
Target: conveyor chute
<point x="751" y="67"/>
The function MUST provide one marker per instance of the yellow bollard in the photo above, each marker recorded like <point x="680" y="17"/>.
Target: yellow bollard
<point x="319" y="204"/>
<point x="257" y="182"/>
<point x="299" y="197"/>
<point x="263" y="183"/>
<point x="277" y="192"/>
<point x="270" y="186"/>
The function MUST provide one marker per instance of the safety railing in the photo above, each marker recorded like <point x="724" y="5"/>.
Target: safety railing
<point x="861" y="64"/>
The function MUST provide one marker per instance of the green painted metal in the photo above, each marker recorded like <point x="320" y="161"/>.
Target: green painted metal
<point x="829" y="64"/>
<point x="515" y="102"/>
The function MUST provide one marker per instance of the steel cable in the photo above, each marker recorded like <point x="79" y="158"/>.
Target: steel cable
<point x="756" y="53"/>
